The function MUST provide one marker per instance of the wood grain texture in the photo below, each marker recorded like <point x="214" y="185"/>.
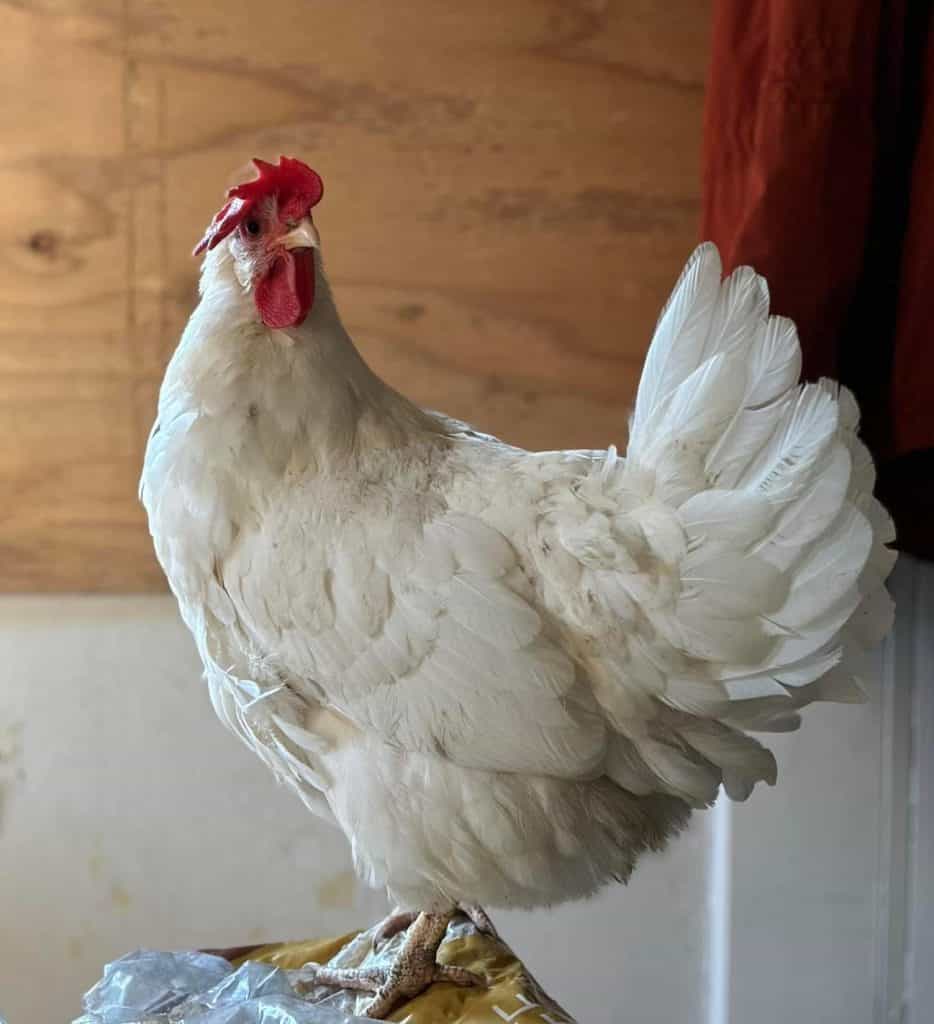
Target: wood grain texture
<point x="510" y="190"/>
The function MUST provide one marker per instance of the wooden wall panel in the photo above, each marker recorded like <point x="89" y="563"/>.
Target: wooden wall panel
<point x="510" y="190"/>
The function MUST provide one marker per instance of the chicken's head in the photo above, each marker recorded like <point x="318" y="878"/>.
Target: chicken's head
<point x="268" y="228"/>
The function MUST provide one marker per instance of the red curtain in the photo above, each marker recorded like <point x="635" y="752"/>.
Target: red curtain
<point x="819" y="171"/>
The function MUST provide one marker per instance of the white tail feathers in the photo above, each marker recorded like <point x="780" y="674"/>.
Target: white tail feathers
<point x="767" y="492"/>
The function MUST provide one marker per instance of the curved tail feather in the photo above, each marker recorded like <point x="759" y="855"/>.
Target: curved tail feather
<point x="745" y="505"/>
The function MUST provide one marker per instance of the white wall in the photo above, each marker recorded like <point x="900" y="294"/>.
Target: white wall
<point x="129" y="817"/>
<point x="137" y="821"/>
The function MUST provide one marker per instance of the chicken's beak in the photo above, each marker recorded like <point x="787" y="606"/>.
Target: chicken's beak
<point x="303" y="236"/>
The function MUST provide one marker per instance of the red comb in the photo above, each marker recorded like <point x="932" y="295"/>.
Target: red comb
<point x="297" y="187"/>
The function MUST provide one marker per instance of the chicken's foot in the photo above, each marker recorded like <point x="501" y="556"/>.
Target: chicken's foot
<point x="413" y="969"/>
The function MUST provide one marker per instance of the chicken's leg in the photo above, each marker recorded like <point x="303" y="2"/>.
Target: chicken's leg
<point x="414" y="968"/>
<point x="401" y="920"/>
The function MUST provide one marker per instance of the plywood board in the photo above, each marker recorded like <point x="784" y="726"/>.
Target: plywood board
<point x="510" y="190"/>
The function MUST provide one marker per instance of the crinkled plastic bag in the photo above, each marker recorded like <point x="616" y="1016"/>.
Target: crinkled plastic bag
<point x="147" y="987"/>
<point x="150" y="983"/>
<point x="251" y="980"/>
<point x="269" y="985"/>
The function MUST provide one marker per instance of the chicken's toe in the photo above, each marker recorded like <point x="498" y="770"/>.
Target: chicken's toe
<point x="412" y="980"/>
<point x="397" y="921"/>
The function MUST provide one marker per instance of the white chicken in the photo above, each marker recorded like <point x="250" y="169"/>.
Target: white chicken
<point x="504" y="674"/>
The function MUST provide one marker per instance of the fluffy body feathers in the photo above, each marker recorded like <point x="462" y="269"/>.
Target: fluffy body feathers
<point x="506" y="674"/>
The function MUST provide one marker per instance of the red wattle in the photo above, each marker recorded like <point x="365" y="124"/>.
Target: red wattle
<point x="284" y="296"/>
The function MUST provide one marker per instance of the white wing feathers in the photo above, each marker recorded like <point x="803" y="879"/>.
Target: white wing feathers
<point x="433" y="647"/>
<point x="734" y="563"/>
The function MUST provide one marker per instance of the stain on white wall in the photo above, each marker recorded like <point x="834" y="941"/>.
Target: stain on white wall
<point x="11" y="759"/>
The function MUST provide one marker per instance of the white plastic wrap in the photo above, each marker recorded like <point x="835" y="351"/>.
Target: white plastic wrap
<point x="196" y="988"/>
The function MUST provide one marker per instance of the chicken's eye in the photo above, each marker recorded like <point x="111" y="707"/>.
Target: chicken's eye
<point x="252" y="227"/>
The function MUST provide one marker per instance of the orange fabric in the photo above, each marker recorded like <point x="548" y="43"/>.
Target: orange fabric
<point x="819" y="171"/>
<point x="913" y="378"/>
<point x="789" y="151"/>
